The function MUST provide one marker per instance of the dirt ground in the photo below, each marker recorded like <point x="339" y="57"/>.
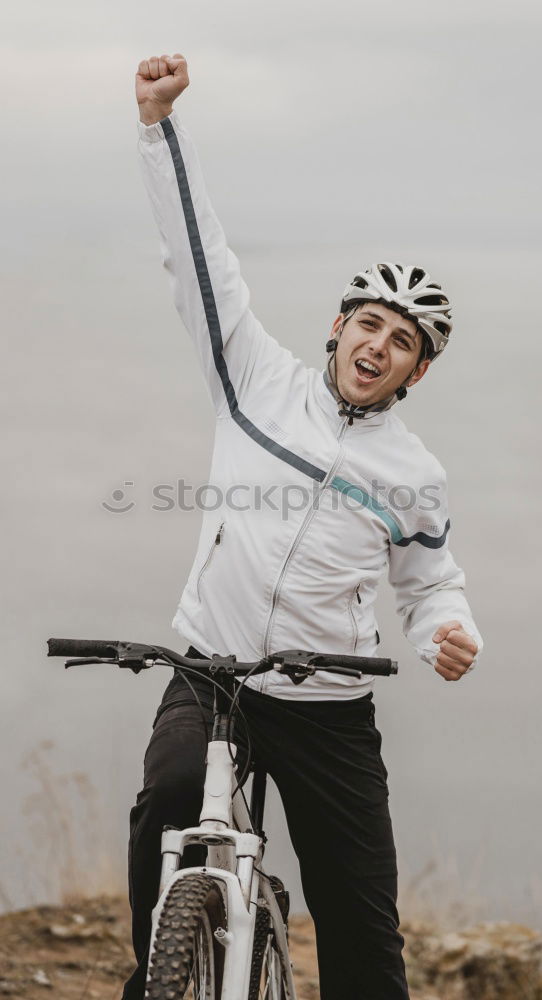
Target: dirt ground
<point x="83" y="952"/>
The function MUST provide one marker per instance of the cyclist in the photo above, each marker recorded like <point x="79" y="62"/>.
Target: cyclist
<point x="368" y="495"/>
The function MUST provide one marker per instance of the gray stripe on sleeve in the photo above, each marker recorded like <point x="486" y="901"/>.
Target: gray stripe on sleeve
<point x="213" y="322"/>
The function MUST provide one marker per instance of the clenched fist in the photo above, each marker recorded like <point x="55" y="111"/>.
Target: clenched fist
<point x="456" y="653"/>
<point x="159" y="81"/>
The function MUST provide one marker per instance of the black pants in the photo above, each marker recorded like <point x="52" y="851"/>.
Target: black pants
<point x="324" y="757"/>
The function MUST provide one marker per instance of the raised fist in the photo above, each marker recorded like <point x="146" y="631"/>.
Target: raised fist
<point x="159" y="81"/>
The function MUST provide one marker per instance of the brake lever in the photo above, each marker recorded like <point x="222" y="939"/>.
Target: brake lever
<point x="347" y="671"/>
<point x="133" y="663"/>
<point x="81" y="661"/>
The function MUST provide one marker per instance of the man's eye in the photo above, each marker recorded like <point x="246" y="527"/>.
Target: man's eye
<point x="403" y="343"/>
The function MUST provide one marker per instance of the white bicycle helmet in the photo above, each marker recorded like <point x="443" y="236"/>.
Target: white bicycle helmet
<point x="413" y="290"/>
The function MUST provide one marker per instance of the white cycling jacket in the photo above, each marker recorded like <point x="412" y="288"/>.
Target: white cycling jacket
<point x="310" y="511"/>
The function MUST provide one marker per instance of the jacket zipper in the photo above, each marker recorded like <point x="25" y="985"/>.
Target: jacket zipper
<point x="306" y="521"/>
<point x="217" y="540"/>
<point x="355" y="596"/>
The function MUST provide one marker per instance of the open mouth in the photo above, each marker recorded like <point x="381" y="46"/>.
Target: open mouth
<point x="366" y="372"/>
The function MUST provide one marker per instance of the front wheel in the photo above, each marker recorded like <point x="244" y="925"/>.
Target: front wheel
<point x="187" y="960"/>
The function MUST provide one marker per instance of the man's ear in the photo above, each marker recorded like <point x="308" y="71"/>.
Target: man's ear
<point x="419" y="372"/>
<point x="336" y="325"/>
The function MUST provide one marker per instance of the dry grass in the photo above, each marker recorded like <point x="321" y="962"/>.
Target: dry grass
<point x="70" y="855"/>
<point x="440" y="895"/>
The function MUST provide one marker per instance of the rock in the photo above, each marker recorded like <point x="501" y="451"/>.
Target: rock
<point x="41" y="978"/>
<point x="484" y="962"/>
<point x="77" y="931"/>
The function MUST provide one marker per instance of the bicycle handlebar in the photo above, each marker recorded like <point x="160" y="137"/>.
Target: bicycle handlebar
<point x="137" y="656"/>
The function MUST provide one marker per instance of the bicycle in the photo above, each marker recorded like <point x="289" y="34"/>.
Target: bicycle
<point x="220" y="931"/>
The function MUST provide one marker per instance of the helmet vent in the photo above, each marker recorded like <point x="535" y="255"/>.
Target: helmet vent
<point x="441" y="327"/>
<point x="416" y="277"/>
<point x="431" y="300"/>
<point x="359" y="282"/>
<point x="388" y="276"/>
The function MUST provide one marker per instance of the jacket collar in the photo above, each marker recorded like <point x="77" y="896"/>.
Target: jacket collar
<point x="327" y="400"/>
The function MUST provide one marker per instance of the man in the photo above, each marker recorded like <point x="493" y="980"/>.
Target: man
<point x="362" y="494"/>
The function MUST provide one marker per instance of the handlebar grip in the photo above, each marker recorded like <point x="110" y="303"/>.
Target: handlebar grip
<point x="375" y="665"/>
<point x="83" y="647"/>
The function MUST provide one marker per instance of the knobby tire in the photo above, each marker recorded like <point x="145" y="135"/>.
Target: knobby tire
<point x="187" y="960"/>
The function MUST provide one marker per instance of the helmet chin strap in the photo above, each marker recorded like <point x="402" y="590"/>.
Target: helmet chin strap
<point x="350" y="410"/>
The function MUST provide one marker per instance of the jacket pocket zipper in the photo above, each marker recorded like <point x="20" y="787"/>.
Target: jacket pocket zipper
<point x="355" y="596"/>
<point x="216" y="541"/>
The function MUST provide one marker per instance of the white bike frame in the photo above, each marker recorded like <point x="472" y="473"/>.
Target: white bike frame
<point x="234" y="854"/>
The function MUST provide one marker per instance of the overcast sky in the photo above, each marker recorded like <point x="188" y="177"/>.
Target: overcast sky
<point x="342" y="121"/>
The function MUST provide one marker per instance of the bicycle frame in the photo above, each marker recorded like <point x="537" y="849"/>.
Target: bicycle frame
<point x="234" y="853"/>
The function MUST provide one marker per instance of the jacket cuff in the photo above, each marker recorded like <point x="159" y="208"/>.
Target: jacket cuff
<point x="155" y="133"/>
<point x="150" y="133"/>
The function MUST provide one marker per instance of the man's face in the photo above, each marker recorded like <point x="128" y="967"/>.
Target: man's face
<point x="380" y="337"/>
